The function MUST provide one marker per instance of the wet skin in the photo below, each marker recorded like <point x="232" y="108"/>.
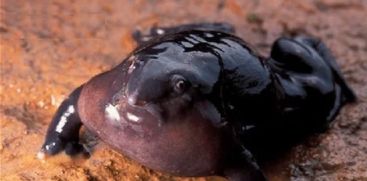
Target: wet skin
<point x="194" y="100"/>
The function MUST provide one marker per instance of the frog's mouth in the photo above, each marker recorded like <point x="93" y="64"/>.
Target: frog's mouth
<point x="124" y="113"/>
<point x="137" y="114"/>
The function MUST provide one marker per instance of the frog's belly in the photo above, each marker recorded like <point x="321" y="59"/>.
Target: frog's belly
<point x="181" y="149"/>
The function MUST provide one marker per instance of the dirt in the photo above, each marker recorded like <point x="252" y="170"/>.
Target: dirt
<point x="50" y="47"/>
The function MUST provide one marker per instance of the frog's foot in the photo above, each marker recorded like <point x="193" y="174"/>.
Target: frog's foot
<point x="158" y="31"/>
<point x="53" y="147"/>
<point x="63" y="132"/>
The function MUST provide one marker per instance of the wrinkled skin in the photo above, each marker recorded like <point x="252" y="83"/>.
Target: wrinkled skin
<point x="194" y="100"/>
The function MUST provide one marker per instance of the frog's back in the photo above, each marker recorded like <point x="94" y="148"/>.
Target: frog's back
<point x="239" y="82"/>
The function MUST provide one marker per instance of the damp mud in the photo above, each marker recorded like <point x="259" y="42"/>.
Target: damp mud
<point x="48" y="48"/>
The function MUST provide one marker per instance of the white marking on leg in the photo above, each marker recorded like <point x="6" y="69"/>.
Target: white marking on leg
<point x="64" y="118"/>
<point x="160" y="31"/>
<point x="132" y="117"/>
<point x="112" y="113"/>
<point x="48" y="146"/>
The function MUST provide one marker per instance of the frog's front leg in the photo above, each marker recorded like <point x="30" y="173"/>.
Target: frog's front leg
<point x="242" y="166"/>
<point x="63" y="132"/>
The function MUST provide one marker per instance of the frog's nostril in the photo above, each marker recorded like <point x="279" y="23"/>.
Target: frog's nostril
<point x="133" y="101"/>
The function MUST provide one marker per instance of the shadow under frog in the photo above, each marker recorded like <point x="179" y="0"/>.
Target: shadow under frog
<point x="195" y="100"/>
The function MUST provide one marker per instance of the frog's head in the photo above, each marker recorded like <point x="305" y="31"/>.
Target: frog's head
<point x="170" y="82"/>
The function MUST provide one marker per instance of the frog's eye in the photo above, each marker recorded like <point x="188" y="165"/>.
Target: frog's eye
<point x="179" y="83"/>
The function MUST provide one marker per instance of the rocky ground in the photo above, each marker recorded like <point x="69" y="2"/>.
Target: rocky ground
<point x="50" y="47"/>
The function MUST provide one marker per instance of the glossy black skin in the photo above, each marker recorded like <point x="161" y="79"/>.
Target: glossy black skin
<point x="205" y="100"/>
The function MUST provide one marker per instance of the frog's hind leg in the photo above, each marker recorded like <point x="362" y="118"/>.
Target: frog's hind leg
<point x="63" y="132"/>
<point x="324" y="52"/>
<point x="158" y="31"/>
<point x="315" y="74"/>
